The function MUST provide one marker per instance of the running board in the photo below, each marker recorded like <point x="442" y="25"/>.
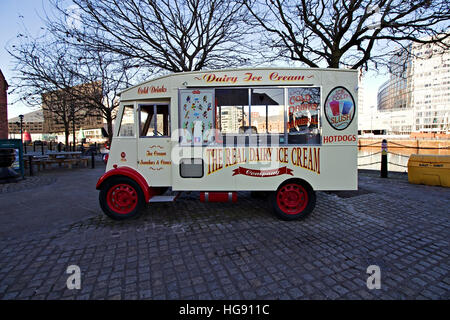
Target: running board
<point x="164" y="198"/>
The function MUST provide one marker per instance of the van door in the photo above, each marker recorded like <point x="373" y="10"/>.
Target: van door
<point x="154" y="146"/>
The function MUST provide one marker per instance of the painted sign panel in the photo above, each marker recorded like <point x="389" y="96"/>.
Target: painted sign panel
<point x="17" y="145"/>
<point x="303" y="157"/>
<point x="304" y="108"/>
<point x="196" y="115"/>
<point x="340" y="108"/>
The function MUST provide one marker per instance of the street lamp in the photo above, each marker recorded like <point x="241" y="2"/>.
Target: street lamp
<point x="21" y="127"/>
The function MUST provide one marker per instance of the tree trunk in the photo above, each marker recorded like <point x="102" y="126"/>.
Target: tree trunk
<point x="67" y="134"/>
<point x="73" y="138"/>
<point x="109" y="123"/>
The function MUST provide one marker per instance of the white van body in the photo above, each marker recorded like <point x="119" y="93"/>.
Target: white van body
<point x="240" y="129"/>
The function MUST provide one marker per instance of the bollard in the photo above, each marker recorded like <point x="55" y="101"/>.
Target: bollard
<point x="34" y="146"/>
<point x="384" y="162"/>
<point x="59" y="147"/>
<point x="25" y="148"/>
<point x="92" y="160"/>
<point x="30" y="160"/>
<point x="50" y="146"/>
<point x="42" y="148"/>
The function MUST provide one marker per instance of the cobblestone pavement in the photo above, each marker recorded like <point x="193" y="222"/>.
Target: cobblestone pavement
<point x="192" y="250"/>
<point x="26" y="184"/>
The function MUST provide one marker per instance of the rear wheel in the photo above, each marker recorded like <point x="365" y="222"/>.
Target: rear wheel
<point x="121" y="198"/>
<point x="293" y="200"/>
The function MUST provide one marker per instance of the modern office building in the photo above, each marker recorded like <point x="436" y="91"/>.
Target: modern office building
<point x="416" y="98"/>
<point x="430" y="89"/>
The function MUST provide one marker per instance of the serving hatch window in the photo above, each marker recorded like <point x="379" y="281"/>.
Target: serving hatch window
<point x="267" y="110"/>
<point x="251" y="115"/>
<point x="232" y="110"/>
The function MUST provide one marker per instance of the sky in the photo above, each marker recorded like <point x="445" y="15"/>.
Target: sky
<point x="17" y="14"/>
<point x="14" y="14"/>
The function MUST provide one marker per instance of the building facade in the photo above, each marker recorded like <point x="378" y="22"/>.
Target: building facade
<point x="3" y="107"/>
<point x="416" y="98"/>
<point x="64" y="105"/>
<point x="32" y="123"/>
<point x="430" y="89"/>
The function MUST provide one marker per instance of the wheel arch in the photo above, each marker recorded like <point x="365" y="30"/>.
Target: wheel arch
<point x="129" y="173"/>
<point x="296" y="180"/>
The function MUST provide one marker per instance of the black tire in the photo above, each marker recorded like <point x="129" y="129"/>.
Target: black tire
<point x="131" y="208"/>
<point x="288" y="210"/>
<point x="259" y="194"/>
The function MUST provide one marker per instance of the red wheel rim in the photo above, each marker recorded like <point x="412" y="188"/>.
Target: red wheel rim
<point x="122" y="198"/>
<point x="292" y="198"/>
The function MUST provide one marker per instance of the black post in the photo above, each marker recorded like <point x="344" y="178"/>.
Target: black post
<point x="73" y="130"/>
<point x="42" y="147"/>
<point x="92" y="159"/>
<point x="50" y="146"/>
<point x="59" y="147"/>
<point x="24" y="148"/>
<point x="30" y="160"/>
<point x="34" y="146"/>
<point x="21" y="127"/>
<point x="384" y="162"/>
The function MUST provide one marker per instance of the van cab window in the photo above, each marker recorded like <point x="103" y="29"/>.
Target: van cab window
<point x="126" y="128"/>
<point x="154" y="121"/>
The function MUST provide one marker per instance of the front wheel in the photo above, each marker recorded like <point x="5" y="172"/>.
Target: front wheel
<point x="121" y="198"/>
<point x="293" y="200"/>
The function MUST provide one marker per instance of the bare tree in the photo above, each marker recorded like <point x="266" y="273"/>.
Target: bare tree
<point x="347" y="33"/>
<point x="43" y="79"/>
<point x="162" y="35"/>
<point x="110" y="75"/>
<point x="70" y="82"/>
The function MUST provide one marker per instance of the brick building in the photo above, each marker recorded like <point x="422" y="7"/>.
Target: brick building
<point x="3" y="107"/>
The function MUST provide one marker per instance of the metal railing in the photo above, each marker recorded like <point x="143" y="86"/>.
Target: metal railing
<point x="392" y="145"/>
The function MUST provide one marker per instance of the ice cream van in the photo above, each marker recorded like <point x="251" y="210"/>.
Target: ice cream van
<point x="285" y="132"/>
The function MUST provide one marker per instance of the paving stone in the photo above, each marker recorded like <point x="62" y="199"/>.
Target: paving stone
<point x="194" y="250"/>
